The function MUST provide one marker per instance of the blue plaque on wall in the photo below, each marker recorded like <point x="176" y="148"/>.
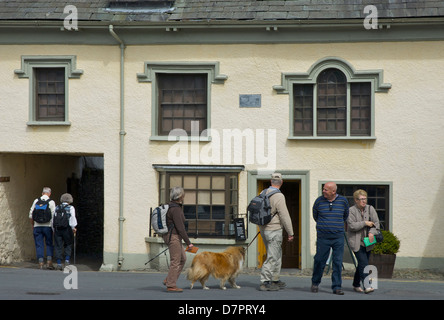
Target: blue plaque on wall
<point x="250" y="100"/>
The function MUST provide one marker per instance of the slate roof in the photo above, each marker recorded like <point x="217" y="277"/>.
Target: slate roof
<point x="303" y="9"/>
<point x="126" y="11"/>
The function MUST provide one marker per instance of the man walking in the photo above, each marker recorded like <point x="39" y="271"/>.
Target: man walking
<point x="330" y="211"/>
<point x="272" y="237"/>
<point x="42" y="229"/>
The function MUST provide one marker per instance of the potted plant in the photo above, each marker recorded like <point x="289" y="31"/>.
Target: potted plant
<point x="383" y="255"/>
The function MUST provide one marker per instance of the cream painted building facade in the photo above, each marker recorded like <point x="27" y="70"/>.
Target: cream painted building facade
<point x="113" y="110"/>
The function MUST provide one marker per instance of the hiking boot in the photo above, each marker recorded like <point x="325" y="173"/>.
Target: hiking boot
<point x="280" y="284"/>
<point x="41" y="264"/>
<point x="338" y="292"/>
<point x="49" y="265"/>
<point x="174" y="289"/>
<point x="267" y="286"/>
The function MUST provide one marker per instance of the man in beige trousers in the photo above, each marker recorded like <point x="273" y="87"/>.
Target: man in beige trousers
<point x="272" y="237"/>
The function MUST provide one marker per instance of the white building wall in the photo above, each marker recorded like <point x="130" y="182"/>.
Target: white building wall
<point x="407" y="152"/>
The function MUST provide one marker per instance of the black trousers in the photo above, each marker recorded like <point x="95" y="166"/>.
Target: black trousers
<point x="362" y="256"/>
<point x="63" y="241"/>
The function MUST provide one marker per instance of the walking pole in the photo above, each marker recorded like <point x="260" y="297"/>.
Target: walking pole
<point x="75" y="233"/>
<point x="156" y="256"/>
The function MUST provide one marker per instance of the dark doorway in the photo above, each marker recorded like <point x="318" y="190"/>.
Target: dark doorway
<point x="88" y="194"/>
<point x="291" y="254"/>
<point x="291" y="251"/>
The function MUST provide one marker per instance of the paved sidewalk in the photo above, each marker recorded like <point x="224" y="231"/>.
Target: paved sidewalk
<point x="30" y="283"/>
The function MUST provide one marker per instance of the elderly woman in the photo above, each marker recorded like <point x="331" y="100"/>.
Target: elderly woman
<point x="176" y="219"/>
<point x="64" y="224"/>
<point x="362" y="222"/>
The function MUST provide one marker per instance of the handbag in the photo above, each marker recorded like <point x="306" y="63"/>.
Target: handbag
<point x="378" y="237"/>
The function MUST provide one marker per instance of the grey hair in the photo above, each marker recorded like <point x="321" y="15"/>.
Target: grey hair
<point x="66" y="197"/>
<point x="176" y="193"/>
<point x="276" y="182"/>
<point x="46" y="190"/>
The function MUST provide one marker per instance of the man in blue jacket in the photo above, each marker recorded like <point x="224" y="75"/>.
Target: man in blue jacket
<point x="330" y="211"/>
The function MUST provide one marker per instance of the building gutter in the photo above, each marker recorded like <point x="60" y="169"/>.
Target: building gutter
<point x="205" y="23"/>
<point x="122" y="134"/>
<point x="13" y="32"/>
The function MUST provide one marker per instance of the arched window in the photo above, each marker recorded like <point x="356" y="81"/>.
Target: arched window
<point x="332" y="103"/>
<point x="332" y="100"/>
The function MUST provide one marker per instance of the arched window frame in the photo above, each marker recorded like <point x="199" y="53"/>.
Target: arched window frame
<point x="374" y="77"/>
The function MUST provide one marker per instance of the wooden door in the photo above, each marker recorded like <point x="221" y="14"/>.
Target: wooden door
<point x="261" y="251"/>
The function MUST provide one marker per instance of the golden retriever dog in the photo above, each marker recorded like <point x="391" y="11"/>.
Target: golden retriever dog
<point x="221" y="265"/>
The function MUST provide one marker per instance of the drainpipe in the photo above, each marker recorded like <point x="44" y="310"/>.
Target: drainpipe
<point x="122" y="135"/>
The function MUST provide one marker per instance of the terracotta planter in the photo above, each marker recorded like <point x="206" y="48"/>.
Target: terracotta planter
<point x="384" y="263"/>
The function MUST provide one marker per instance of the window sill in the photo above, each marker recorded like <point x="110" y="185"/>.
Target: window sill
<point x="180" y="138"/>
<point x="48" y="123"/>
<point x="333" y="138"/>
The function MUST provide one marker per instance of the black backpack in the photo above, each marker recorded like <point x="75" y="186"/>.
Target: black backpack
<point x="259" y="209"/>
<point x="61" y="216"/>
<point x="41" y="212"/>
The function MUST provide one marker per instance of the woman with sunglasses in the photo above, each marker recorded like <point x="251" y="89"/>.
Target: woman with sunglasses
<point x="362" y="223"/>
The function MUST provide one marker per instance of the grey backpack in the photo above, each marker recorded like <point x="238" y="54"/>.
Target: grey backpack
<point x="259" y="209"/>
<point x="158" y="219"/>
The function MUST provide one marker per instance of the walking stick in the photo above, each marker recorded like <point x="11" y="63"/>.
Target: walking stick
<point x="75" y="233"/>
<point x="171" y="233"/>
<point x="156" y="256"/>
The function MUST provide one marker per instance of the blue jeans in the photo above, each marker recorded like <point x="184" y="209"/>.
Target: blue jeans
<point x="42" y="236"/>
<point x="323" y="245"/>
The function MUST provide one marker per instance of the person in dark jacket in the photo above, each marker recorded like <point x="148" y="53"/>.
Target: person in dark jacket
<point x="64" y="225"/>
<point x="177" y="233"/>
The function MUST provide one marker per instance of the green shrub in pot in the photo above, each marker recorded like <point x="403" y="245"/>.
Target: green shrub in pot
<point x="390" y="245"/>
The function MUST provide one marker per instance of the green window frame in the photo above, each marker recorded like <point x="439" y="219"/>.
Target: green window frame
<point x="150" y="75"/>
<point x="211" y="200"/>
<point x="344" y="110"/>
<point x="379" y="195"/>
<point x="48" y="98"/>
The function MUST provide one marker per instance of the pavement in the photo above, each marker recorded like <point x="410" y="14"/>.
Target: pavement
<point x="83" y="282"/>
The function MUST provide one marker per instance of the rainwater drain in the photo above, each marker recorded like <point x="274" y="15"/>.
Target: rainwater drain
<point x="43" y="293"/>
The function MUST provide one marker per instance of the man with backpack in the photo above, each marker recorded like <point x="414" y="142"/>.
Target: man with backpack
<point x="272" y="236"/>
<point x="64" y="224"/>
<point x="40" y="214"/>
